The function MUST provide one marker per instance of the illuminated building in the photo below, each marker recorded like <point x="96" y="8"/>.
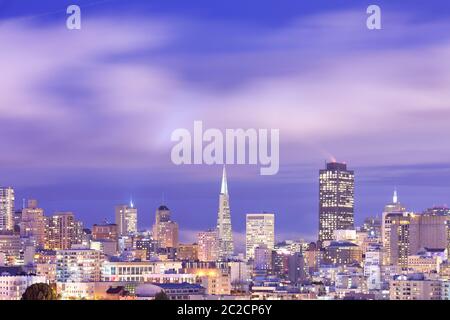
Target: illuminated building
<point x="105" y="238"/>
<point x="438" y="211"/>
<point x="429" y="231"/>
<point x="14" y="281"/>
<point x="392" y="210"/>
<point x="6" y="209"/>
<point x="165" y="231"/>
<point x="342" y="253"/>
<point x="372" y="225"/>
<point x="296" y="268"/>
<point x="10" y="247"/>
<point x="224" y="228"/>
<point x="135" y="271"/>
<point x="105" y="232"/>
<point x="399" y="240"/>
<point x="63" y="231"/>
<point x="414" y="287"/>
<point x="336" y="200"/>
<point x="262" y="258"/>
<point x="373" y="259"/>
<point x="207" y="245"/>
<point x="33" y="223"/>
<point x="47" y="270"/>
<point x="216" y="282"/>
<point x="126" y="219"/>
<point x="260" y="230"/>
<point x="187" y="252"/>
<point x="79" y="265"/>
<point x="175" y="291"/>
<point x="149" y="245"/>
<point x="421" y="263"/>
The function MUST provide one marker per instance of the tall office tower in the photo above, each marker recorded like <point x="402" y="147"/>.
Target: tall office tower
<point x="260" y="230"/>
<point x="126" y="219"/>
<point x="63" y="231"/>
<point x="224" y="229"/>
<point x="6" y="209"/>
<point x="165" y="231"/>
<point x="207" y="245"/>
<point x="391" y="210"/>
<point x="399" y="244"/>
<point x="336" y="200"/>
<point x="33" y="223"/>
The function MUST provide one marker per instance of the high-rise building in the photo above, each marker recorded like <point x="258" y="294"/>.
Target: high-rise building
<point x="165" y="231"/>
<point x="126" y="219"/>
<point x="33" y="223"/>
<point x="224" y="229"/>
<point x="63" y="231"/>
<point x="260" y="230"/>
<point x="6" y="209"/>
<point x="391" y="211"/>
<point x="207" y="245"/>
<point x="399" y="244"/>
<point x="336" y="200"/>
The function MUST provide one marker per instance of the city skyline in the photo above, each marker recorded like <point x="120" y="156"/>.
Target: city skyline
<point x="187" y="235"/>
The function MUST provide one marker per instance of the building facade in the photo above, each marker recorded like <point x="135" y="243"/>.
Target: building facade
<point x="336" y="200"/>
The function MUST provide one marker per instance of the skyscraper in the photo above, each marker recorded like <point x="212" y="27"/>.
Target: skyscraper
<point x="63" y="231"/>
<point x="391" y="212"/>
<point x="165" y="231"/>
<point x="33" y="223"/>
<point x="126" y="219"/>
<point x="260" y="230"/>
<point x="6" y="209"/>
<point x="336" y="200"/>
<point x="224" y="230"/>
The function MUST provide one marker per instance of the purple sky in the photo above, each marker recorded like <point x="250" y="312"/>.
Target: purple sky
<point x="86" y="116"/>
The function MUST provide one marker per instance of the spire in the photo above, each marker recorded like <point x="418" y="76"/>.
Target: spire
<point x="131" y="203"/>
<point x="224" y="187"/>
<point x="395" y="197"/>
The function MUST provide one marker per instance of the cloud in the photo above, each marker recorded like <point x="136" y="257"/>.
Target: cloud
<point x="110" y="95"/>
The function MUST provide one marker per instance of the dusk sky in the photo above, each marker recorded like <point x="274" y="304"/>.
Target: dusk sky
<point x="86" y="115"/>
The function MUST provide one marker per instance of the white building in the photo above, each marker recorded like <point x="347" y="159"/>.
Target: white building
<point x="126" y="219"/>
<point x="13" y="283"/>
<point x="260" y="230"/>
<point x="78" y="265"/>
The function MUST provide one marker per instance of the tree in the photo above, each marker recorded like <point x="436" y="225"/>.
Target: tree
<point x="39" y="291"/>
<point x="161" y="296"/>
